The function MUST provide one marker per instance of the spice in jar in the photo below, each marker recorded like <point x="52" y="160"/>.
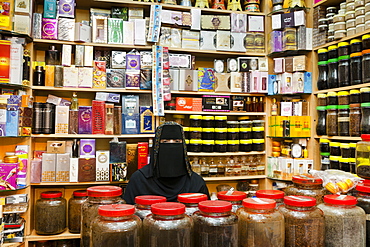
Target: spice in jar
<point x="343" y="120"/>
<point x="345" y="150"/>
<point x="343" y="98"/>
<point x="246" y="133"/>
<point x="258" y="132"/>
<point x="258" y="145"/>
<point x="245" y="145"/>
<point x="220" y="146"/>
<point x="334" y="162"/>
<point x="195" y="121"/>
<point x="365" y="94"/>
<point x="144" y="203"/>
<point x="220" y="133"/>
<point x="356" y="45"/>
<point x="332" y="120"/>
<point x="220" y="121"/>
<point x="324" y="145"/>
<point x="354" y="96"/>
<point x="332" y="98"/>
<point x="325" y="162"/>
<point x="208" y="121"/>
<point x="74" y="210"/>
<point x="233" y="145"/>
<point x="321" y="120"/>
<point x="208" y="133"/>
<point x="344" y="164"/>
<point x="355" y="119"/>
<point x="363" y="201"/>
<point x="356" y="68"/>
<point x="335" y="148"/>
<point x="208" y="146"/>
<point x="321" y="99"/>
<point x="276" y="195"/>
<point x="306" y="185"/>
<point x="233" y="133"/>
<point x="195" y="145"/>
<point x="195" y="133"/>
<point x="365" y="66"/>
<point x="191" y="200"/>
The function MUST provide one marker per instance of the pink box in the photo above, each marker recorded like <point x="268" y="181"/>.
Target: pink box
<point x="8" y="176"/>
<point x="49" y="28"/>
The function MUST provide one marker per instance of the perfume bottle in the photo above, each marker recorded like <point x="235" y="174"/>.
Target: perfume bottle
<point x="39" y="76"/>
<point x="73" y="115"/>
<point x="52" y="56"/>
<point x="75" y="148"/>
<point x="109" y="119"/>
<point x="26" y="68"/>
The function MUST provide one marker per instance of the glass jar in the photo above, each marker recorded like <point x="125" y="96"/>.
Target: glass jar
<point x="220" y="121"/>
<point x="343" y="71"/>
<point x="220" y="146"/>
<point x="332" y="51"/>
<point x="332" y="120"/>
<point x="352" y="147"/>
<point x="215" y="225"/>
<point x="195" y="146"/>
<point x="365" y="65"/>
<point x="179" y="119"/>
<point x="232" y="124"/>
<point x="195" y="133"/>
<point x="354" y="119"/>
<point x="191" y="200"/>
<point x="321" y="120"/>
<point x="365" y="94"/>
<point x="345" y="150"/>
<point x="324" y="145"/>
<point x="246" y="133"/>
<point x="116" y="225"/>
<point x="334" y="162"/>
<point x="322" y="54"/>
<point x="356" y="68"/>
<point x="276" y="195"/>
<point x="50" y="213"/>
<point x="260" y="224"/>
<point x="74" y="210"/>
<point x="332" y="98"/>
<point x="258" y="145"/>
<point x="366" y="41"/>
<point x="195" y="121"/>
<point x="233" y="133"/>
<point x="321" y="99"/>
<point x="208" y="121"/>
<point x="258" y="123"/>
<point x="325" y="162"/>
<point x="306" y="185"/>
<point x="343" y="49"/>
<point x="304" y="222"/>
<point x="335" y="148"/>
<point x="186" y="132"/>
<point x="208" y="134"/>
<point x="253" y="188"/>
<point x="322" y="80"/>
<point x="354" y="96"/>
<point x="97" y="196"/>
<point x="363" y="157"/>
<point x="356" y="45"/>
<point x="234" y="197"/>
<point x="208" y="146"/>
<point x="220" y="134"/>
<point x="345" y="223"/>
<point x="245" y="145"/>
<point x="352" y="165"/>
<point x="343" y="98"/>
<point x="144" y="204"/>
<point x="258" y="132"/>
<point x="233" y="145"/>
<point x="363" y="201"/>
<point x="343" y="120"/>
<point x="168" y="225"/>
<point x="333" y="73"/>
<point x="344" y="164"/>
<point x="365" y="118"/>
<point x="245" y="124"/>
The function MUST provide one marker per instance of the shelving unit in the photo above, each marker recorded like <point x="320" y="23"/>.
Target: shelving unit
<point x="79" y="89"/>
<point x="232" y="178"/>
<point x="226" y="154"/>
<point x="343" y="88"/>
<point x="341" y="138"/>
<point x="65" y="235"/>
<point x="216" y="113"/>
<point x="92" y="136"/>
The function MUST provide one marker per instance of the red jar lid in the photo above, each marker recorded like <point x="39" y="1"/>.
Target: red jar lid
<point x="191" y="197"/>
<point x="271" y="194"/>
<point x="116" y="210"/>
<point x="365" y="137"/>
<point x="363" y="187"/>
<point x="300" y="201"/>
<point x="215" y="206"/>
<point x="104" y="191"/>
<point x="80" y="193"/>
<point x="51" y="194"/>
<point x="149" y="200"/>
<point x="306" y="179"/>
<point x="234" y="196"/>
<point x="168" y="208"/>
<point x="259" y="203"/>
<point x="340" y="199"/>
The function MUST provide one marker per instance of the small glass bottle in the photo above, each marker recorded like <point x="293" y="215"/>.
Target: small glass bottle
<point x="274" y="108"/>
<point x="195" y="166"/>
<point x="220" y="168"/>
<point x="212" y="168"/>
<point x="204" y="168"/>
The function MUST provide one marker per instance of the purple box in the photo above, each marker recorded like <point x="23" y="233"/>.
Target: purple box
<point x="66" y="8"/>
<point x="84" y="120"/>
<point x="49" y="28"/>
<point x="87" y="148"/>
<point x="132" y="62"/>
<point x="276" y="41"/>
<point x="8" y="175"/>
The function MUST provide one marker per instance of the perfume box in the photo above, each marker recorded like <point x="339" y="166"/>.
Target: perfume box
<point x="87" y="148"/>
<point x="300" y="63"/>
<point x="89" y="56"/>
<point x="288" y="65"/>
<point x="82" y="32"/>
<point x="222" y="81"/>
<point x="99" y="75"/>
<point x="146" y="59"/>
<point x="256" y="23"/>
<point x="131" y="157"/>
<point x="16" y="65"/>
<point x="146" y="79"/>
<point x="131" y="124"/>
<point x="299" y="18"/>
<point x="287" y="20"/>
<point x="142" y="153"/>
<point x="276" y="21"/>
<point x="61" y="119"/>
<point x="135" y="13"/>
<point x="132" y="62"/>
<point x="22" y="6"/>
<point x="56" y="147"/>
<point x="237" y="42"/>
<point x="79" y="55"/>
<point x="8" y="173"/>
<point x="279" y="65"/>
<point x="115" y="31"/>
<point x="301" y="38"/>
<point x="22" y="24"/>
<point x="73" y="170"/>
<point x="188" y="104"/>
<point x="117" y="152"/>
<point x="86" y="169"/>
<point x="176" y="17"/>
<point x="66" y="55"/>
<point x="208" y="40"/>
<point x="85" y="77"/>
<point x="206" y="79"/>
<point x="116" y="78"/>
<point x="254" y="75"/>
<point x="12" y="120"/>
<point x="118" y="60"/>
<point x="263" y="82"/>
<point x="98" y="117"/>
<point x="50" y="9"/>
<point x="238" y="23"/>
<point x="307" y="82"/>
<point x="66" y="8"/>
<point x="223" y="40"/>
<point x="133" y="79"/>
<point x="62" y="167"/>
<point x="166" y="16"/>
<point x="186" y="19"/>
<point x="99" y="29"/>
<point x="175" y="38"/>
<point x="70" y="76"/>
<point x="118" y="171"/>
<point x="216" y="103"/>
<point x="165" y="37"/>
<point x="36" y="25"/>
<point x="102" y="165"/>
<point x="140" y="32"/>
<point x="175" y="77"/>
<point x="187" y="81"/>
<point x="286" y="83"/>
<point x="190" y="39"/>
<point x="84" y="120"/>
<point x="129" y="33"/>
<point x="236" y="82"/>
<point x="195" y="18"/>
<point x="147" y="121"/>
<point x="66" y="29"/>
<point x="48" y="167"/>
<point x="130" y="104"/>
<point x="49" y="28"/>
<point x="216" y="22"/>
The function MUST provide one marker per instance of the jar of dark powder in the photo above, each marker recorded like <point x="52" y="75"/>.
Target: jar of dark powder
<point x="363" y="201"/>
<point x="235" y="197"/>
<point x="306" y="185"/>
<point x="74" y="210"/>
<point x="191" y="200"/>
<point x="144" y="203"/>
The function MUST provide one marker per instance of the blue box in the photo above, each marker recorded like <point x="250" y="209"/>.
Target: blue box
<point x="130" y="124"/>
<point x="12" y="119"/>
<point x="307" y="82"/>
<point x="50" y="9"/>
<point x="130" y="105"/>
<point x="146" y="120"/>
<point x="271" y="84"/>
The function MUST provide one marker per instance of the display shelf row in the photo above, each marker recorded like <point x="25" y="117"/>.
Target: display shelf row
<point x="95" y="136"/>
<point x="149" y="47"/>
<point x="12" y="244"/>
<point x="357" y="35"/>
<point x="216" y="93"/>
<point x="279" y="179"/>
<point x="343" y="88"/>
<point x="342" y="138"/>
<point x="16" y="86"/>
<point x="78" y="89"/>
<point x="231" y="113"/>
<point x="231" y="178"/>
<point x="65" y="235"/>
<point x="225" y="154"/>
<point x="328" y="3"/>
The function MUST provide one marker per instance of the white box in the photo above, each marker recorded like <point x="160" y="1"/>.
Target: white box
<point x="62" y="168"/>
<point x="70" y="76"/>
<point x="286" y="108"/>
<point x="223" y="40"/>
<point x="48" y="167"/>
<point x="16" y="63"/>
<point x="175" y="38"/>
<point x="73" y="170"/>
<point x="276" y="21"/>
<point x="89" y="56"/>
<point x="66" y="55"/>
<point x="299" y="18"/>
<point x="186" y="80"/>
<point x="298" y="82"/>
<point x="236" y="82"/>
<point x="254" y="81"/>
<point x="99" y="29"/>
<point x="256" y="23"/>
<point x="166" y="16"/>
<point x="299" y="167"/>
<point x="279" y="65"/>
<point x="175" y="77"/>
<point x="102" y="165"/>
<point x="190" y="39"/>
<point x="207" y="40"/>
<point x="237" y="42"/>
<point x="195" y="18"/>
<point x="140" y="29"/>
<point x="82" y="32"/>
<point x="128" y="33"/>
<point x="85" y="77"/>
<point x="61" y="119"/>
<point x="22" y="24"/>
<point x="286" y="80"/>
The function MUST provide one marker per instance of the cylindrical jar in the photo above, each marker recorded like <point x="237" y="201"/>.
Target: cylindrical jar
<point x="343" y="71"/>
<point x="245" y="145"/>
<point x="365" y="66"/>
<point x="356" y="68"/>
<point x="332" y="120"/>
<point x="74" y="210"/>
<point x="195" y="145"/>
<point x="116" y="225"/>
<point x="321" y="99"/>
<point x="97" y="196"/>
<point x="191" y="200"/>
<point x="220" y="134"/>
<point x="304" y="222"/>
<point x="343" y="98"/>
<point x="276" y="195"/>
<point x="195" y="133"/>
<point x="168" y="226"/>
<point x="354" y="96"/>
<point x="50" y="213"/>
<point x="362" y="157"/>
<point x="215" y="225"/>
<point x="345" y="223"/>
<point x="363" y="201"/>
<point x="260" y="224"/>
<point x="335" y="148"/>
<point x="144" y="203"/>
<point x="235" y="197"/>
<point x="220" y="121"/>
<point x="365" y="118"/>
<point x="321" y="120"/>
<point x="365" y="94"/>
<point x="208" y="134"/>
<point x="195" y="121"/>
<point x="258" y="145"/>
<point x="324" y="145"/>
<point x="220" y="146"/>
<point x="208" y="146"/>
<point x="306" y="185"/>
<point x="208" y="121"/>
<point x="343" y="120"/>
<point x="332" y="98"/>
<point x="354" y="120"/>
<point x="333" y="72"/>
<point x="334" y="162"/>
<point x="233" y="145"/>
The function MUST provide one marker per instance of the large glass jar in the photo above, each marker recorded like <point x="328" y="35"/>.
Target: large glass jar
<point x="343" y="71"/>
<point x="168" y="226"/>
<point x="144" y="203"/>
<point x="304" y="222"/>
<point x="260" y="224"/>
<point x="321" y="99"/>
<point x="195" y="145"/>
<point x="116" y="225"/>
<point x="356" y="68"/>
<point x="324" y="145"/>
<point x="334" y="162"/>
<point x="208" y="134"/>
<point x="50" y="213"/>
<point x="220" y="121"/>
<point x="235" y="197"/>
<point x="191" y="200"/>
<point x="343" y="120"/>
<point x="365" y="118"/>
<point x="97" y="196"/>
<point x="332" y="120"/>
<point x="74" y="210"/>
<point x="220" y="146"/>
<point x="363" y="201"/>
<point x="220" y="134"/>
<point x="276" y="195"/>
<point x="323" y="70"/>
<point x="354" y="120"/>
<point x="345" y="223"/>
<point x="321" y="120"/>
<point x="365" y="66"/>
<point x="363" y="157"/>
<point x="215" y="225"/>
<point x="345" y="150"/>
<point x="306" y="185"/>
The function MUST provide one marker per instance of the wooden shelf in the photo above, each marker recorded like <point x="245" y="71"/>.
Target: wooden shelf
<point x="217" y="93"/>
<point x="357" y="35"/>
<point x="10" y="85"/>
<point x="280" y="179"/>
<point x="92" y="136"/>
<point x="225" y="154"/>
<point x="79" y="89"/>
<point x="288" y="53"/>
<point x="212" y="53"/>
<point x="12" y="244"/>
<point x="216" y="113"/>
<point x="78" y="183"/>
<point x="64" y="235"/>
<point x="210" y="179"/>
<point x="340" y="138"/>
<point x="328" y="3"/>
<point x="343" y="88"/>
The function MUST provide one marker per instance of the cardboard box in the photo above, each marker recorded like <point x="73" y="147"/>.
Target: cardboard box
<point x="216" y="22"/>
<point x="56" y="147"/>
<point x="188" y="104"/>
<point x="216" y="103"/>
<point x="87" y="148"/>
<point x="102" y="165"/>
<point x="48" y="167"/>
<point x="8" y="173"/>
<point x="62" y="167"/>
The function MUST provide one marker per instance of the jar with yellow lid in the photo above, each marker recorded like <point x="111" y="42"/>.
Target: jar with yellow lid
<point x="355" y="119"/>
<point x="352" y="147"/>
<point x="324" y="145"/>
<point x="362" y="157"/>
<point x="186" y="132"/>
<point x="323" y="69"/>
<point x="246" y="133"/>
<point x="354" y="96"/>
<point x="245" y="124"/>
<point x="220" y="146"/>
<point x="365" y="66"/>
<point x="220" y="122"/>
<point x="233" y="133"/>
<point x="321" y="99"/>
<point x="345" y="150"/>
<point x="334" y="162"/>
<point x="332" y="98"/>
<point x="333" y="72"/>
<point x="258" y="123"/>
<point x="195" y="145"/>
<point x="322" y="54"/>
<point x="352" y="165"/>
<point x="208" y="121"/>
<point x="366" y="41"/>
<point x="195" y="121"/>
<point x="220" y="133"/>
<point x="333" y="51"/>
<point x="332" y="120"/>
<point x="258" y="145"/>
<point x="344" y="164"/>
<point x="356" y="68"/>
<point x="208" y="133"/>
<point x="258" y="132"/>
<point x="365" y="94"/>
<point x="233" y="145"/>
<point x="179" y="119"/>
<point x="195" y="133"/>
<point x="245" y="145"/>
<point x="208" y="146"/>
<point x="335" y="148"/>
<point x="343" y="98"/>
<point x="343" y="49"/>
<point x="356" y="45"/>
<point x="232" y="124"/>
